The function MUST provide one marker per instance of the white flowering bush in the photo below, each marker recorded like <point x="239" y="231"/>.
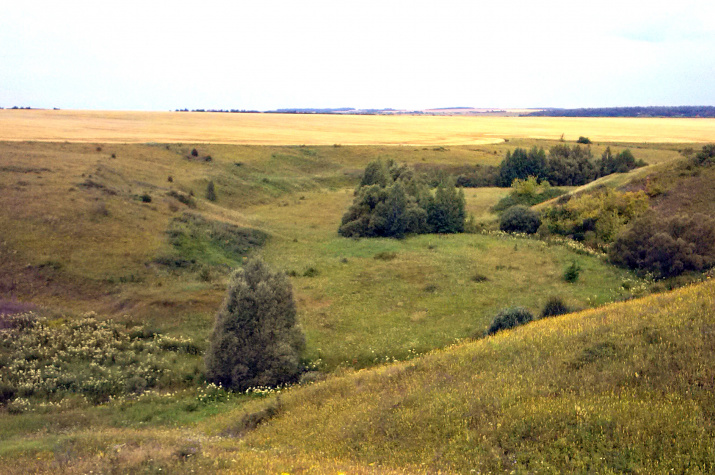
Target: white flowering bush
<point x="96" y="359"/>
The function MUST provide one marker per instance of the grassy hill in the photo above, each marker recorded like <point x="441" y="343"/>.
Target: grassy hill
<point x="395" y="326"/>
<point x="623" y="388"/>
<point x="125" y="230"/>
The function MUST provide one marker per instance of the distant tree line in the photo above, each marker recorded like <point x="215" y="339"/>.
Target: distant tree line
<point x="393" y="200"/>
<point x="563" y="166"/>
<point x="657" y="111"/>
<point x="232" y="111"/>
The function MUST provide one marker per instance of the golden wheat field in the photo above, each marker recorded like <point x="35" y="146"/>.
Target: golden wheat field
<point x="293" y="129"/>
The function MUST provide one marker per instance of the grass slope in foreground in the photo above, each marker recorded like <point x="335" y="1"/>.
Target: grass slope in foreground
<point x="628" y="387"/>
<point x="623" y="388"/>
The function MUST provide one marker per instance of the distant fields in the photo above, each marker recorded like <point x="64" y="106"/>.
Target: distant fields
<point x="292" y="129"/>
<point x="404" y="380"/>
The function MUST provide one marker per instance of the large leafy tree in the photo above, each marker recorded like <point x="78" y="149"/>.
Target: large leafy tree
<point x="256" y="340"/>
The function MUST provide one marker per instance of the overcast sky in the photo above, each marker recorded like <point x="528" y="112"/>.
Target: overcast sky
<point x="164" y="55"/>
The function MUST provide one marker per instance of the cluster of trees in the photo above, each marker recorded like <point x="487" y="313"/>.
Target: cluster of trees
<point x="657" y="111"/>
<point x="667" y="247"/>
<point x="564" y="166"/>
<point x="393" y="200"/>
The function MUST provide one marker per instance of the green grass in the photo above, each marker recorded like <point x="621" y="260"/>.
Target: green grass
<point x="556" y="395"/>
<point x="360" y="309"/>
<point x="627" y="387"/>
<point x="545" y="397"/>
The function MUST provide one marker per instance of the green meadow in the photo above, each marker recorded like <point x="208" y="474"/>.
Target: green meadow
<point x="403" y="379"/>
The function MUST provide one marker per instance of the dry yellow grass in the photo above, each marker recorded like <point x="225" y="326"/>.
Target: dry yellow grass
<point x="277" y="129"/>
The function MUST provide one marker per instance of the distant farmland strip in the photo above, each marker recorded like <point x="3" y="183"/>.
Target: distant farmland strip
<point x="296" y="129"/>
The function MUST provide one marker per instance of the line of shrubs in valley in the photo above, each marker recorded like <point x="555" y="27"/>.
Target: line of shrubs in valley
<point x="564" y="165"/>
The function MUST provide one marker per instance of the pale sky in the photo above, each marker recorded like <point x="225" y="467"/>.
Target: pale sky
<point x="164" y="55"/>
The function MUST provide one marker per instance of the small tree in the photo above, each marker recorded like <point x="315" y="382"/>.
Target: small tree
<point x="572" y="272"/>
<point x="256" y="340"/>
<point x="211" y="191"/>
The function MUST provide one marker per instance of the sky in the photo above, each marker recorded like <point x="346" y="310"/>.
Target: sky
<point x="264" y="55"/>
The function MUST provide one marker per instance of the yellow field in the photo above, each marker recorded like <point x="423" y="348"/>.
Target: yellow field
<point x="291" y="129"/>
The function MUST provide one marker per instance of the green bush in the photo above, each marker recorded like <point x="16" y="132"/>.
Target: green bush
<point x="7" y="392"/>
<point x="520" y="219"/>
<point x="527" y="192"/>
<point x="584" y="140"/>
<point x="555" y="306"/>
<point x="211" y="191"/>
<point x="572" y="272"/>
<point x="509" y="318"/>
<point x="706" y="156"/>
<point x="667" y="247"/>
<point x="256" y="340"/>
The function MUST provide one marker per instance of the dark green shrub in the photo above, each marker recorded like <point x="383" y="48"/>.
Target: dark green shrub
<point x="706" y="156"/>
<point x="572" y="272"/>
<point x="520" y="219"/>
<point x="555" y="306"/>
<point x="210" y="191"/>
<point x="255" y="340"/>
<point x="666" y="247"/>
<point x="7" y="392"/>
<point x="527" y="192"/>
<point x="146" y="198"/>
<point x="584" y="140"/>
<point x="509" y="318"/>
<point x="194" y="153"/>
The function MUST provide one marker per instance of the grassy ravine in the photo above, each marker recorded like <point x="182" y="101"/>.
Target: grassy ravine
<point x="629" y="387"/>
<point x="77" y="234"/>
